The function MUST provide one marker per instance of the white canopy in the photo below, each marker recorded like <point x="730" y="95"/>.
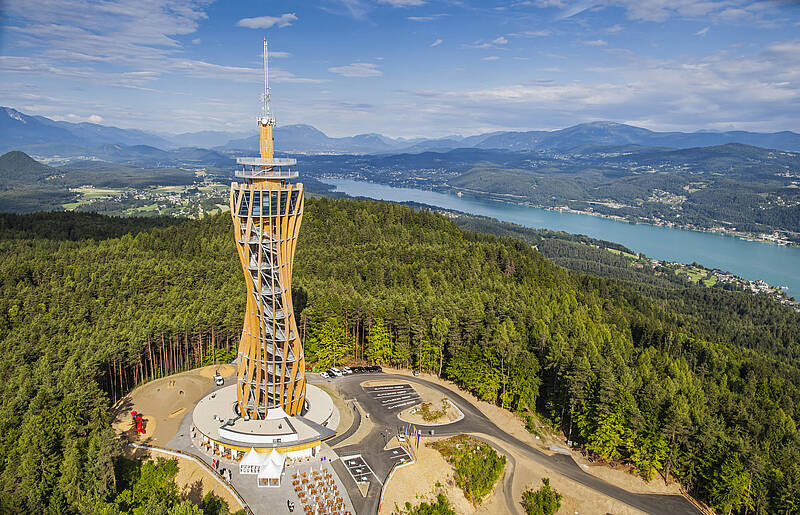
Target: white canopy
<point x="271" y="470"/>
<point x="277" y="458"/>
<point x="252" y="462"/>
<point x="253" y="457"/>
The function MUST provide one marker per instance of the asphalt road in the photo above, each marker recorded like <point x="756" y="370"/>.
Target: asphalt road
<point x="387" y="424"/>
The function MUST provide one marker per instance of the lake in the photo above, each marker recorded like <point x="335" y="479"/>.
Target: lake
<point x="777" y="265"/>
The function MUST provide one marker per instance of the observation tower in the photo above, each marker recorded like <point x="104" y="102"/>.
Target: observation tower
<point x="267" y="209"/>
<point x="270" y="406"/>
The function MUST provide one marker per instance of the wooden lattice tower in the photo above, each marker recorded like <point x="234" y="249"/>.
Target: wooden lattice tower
<point x="267" y="210"/>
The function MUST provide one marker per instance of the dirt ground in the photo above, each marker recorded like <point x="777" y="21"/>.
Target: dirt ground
<point x="193" y="481"/>
<point x="363" y="430"/>
<point x="164" y="402"/>
<point x="417" y="483"/>
<point x="576" y="497"/>
<point x="414" y="415"/>
<point x="515" y="426"/>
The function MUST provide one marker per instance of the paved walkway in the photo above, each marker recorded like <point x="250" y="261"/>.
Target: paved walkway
<point x="269" y="500"/>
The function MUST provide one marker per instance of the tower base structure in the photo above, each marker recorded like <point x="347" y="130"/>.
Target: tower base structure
<point x="224" y="432"/>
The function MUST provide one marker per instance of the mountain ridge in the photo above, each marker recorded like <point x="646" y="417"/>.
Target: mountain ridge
<point x="20" y="130"/>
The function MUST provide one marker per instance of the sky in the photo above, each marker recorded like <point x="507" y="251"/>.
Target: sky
<point x="405" y="68"/>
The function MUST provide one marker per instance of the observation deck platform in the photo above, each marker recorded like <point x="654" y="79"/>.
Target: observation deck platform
<point x="260" y="168"/>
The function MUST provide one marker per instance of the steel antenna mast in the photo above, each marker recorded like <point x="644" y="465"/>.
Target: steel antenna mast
<point x="266" y="81"/>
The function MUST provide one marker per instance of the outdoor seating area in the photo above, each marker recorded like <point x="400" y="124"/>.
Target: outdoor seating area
<point x="318" y="492"/>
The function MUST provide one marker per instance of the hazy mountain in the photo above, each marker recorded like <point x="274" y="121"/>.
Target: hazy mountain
<point x="305" y="138"/>
<point x="135" y="155"/>
<point x="18" y="168"/>
<point x="611" y="133"/>
<point x="18" y="129"/>
<point x="203" y="139"/>
<point x="21" y="131"/>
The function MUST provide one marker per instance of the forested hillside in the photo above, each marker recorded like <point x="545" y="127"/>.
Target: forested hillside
<point x="84" y="318"/>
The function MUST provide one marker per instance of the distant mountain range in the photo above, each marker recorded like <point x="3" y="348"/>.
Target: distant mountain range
<point x="40" y="135"/>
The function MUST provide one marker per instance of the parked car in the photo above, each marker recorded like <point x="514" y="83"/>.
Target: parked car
<point x="415" y="373"/>
<point x="335" y="371"/>
<point x="347" y="371"/>
<point x="325" y="375"/>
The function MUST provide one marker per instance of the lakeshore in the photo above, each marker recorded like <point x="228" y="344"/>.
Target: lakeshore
<point x="777" y="265"/>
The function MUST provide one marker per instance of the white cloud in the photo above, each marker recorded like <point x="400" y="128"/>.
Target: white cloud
<point x="266" y="22"/>
<point x="702" y="32"/>
<point x="430" y="17"/>
<point x="490" y="58"/>
<point x="75" y="39"/>
<point x="357" y="70"/>
<point x="749" y="92"/>
<point x="402" y="3"/>
<point x="478" y="45"/>
<point x="662" y="10"/>
<point x="530" y="34"/>
<point x="436" y="43"/>
<point x="500" y="41"/>
<point x="614" y="29"/>
<point x="96" y="118"/>
<point x="596" y="42"/>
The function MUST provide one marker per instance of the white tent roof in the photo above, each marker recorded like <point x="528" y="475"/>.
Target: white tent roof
<point x="273" y="465"/>
<point x="253" y="457"/>
<point x="270" y="470"/>
<point x="277" y="458"/>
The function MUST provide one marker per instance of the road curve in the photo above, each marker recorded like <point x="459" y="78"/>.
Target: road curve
<point x="475" y="422"/>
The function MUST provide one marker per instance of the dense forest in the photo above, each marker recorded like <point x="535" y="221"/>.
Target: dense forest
<point x="85" y="317"/>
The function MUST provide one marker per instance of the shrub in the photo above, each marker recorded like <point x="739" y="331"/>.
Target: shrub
<point x="544" y="501"/>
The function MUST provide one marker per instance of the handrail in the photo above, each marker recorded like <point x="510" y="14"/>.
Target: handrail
<point x="184" y="454"/>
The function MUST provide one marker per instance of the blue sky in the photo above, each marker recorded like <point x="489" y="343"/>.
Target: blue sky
<point x="406" y="67"/>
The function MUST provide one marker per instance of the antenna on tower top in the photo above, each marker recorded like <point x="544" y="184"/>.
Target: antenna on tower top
<point x="266" y="81"/>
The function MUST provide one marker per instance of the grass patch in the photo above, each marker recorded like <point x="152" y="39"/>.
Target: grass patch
<point x="440" y="507"/>
<point x="620" y="253"/>
<point x="477" y="466"/>
<point x="430" y="415"/>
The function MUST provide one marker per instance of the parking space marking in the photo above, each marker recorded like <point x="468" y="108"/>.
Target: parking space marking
<point x="358" y="468"/>
<point x="398" y="453"/>
<point x="407" y="403"/>
<point x="395" y="398"/>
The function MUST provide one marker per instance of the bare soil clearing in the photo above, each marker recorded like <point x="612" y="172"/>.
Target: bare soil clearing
<point x="514" y="425"/>
<point x="164" y="403"/>
<point x="576" y="497"/>
<point x="416" y="483"/>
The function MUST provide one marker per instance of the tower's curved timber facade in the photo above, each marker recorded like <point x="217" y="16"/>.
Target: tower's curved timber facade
<point x="267" y="210"/>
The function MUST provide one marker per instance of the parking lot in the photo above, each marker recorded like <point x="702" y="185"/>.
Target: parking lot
<point x="358" y="468"/>
<point x="394" y="396"/>
<point x="398" y="455"/>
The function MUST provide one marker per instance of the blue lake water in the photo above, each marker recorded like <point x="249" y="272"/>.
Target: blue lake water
<point x="778" y="266"/>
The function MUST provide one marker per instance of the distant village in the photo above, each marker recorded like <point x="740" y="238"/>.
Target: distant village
<point x="721" y="278"/>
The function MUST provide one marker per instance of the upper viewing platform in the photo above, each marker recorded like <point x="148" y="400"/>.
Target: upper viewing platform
<point x="266" y="168"/>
